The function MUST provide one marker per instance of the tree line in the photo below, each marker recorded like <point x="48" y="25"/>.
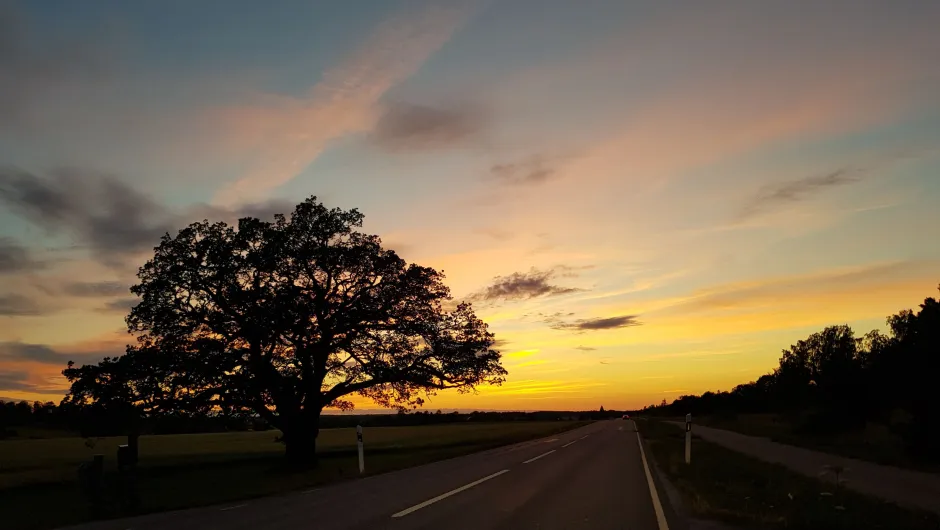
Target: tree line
<point x="24" y="420"/>
<point x="834" y="381"/>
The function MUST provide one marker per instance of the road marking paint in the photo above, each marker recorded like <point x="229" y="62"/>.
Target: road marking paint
<point x="657" y="507"/>
<point x="583" y="437"/>
<point x="549" y="441"/>
<point x="305" y="492"/>
<point x="233" y="507"/>
<point x="569" y="443"/>
<point x="443" y="496"/>
<point x="540" y="456"/>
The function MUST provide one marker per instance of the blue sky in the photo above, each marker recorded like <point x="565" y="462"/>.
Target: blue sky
<point x="644" y="199"/>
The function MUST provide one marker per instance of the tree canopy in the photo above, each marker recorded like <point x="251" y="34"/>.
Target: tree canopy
<point x="284" y="318"/>
<point x="833" y="381"/>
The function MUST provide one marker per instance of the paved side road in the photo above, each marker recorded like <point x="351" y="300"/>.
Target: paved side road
<point x="901" y="486"/>
<point x="593" y="477"/>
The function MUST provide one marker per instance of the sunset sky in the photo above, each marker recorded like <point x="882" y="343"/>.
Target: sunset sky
<point x="643" y="199"/>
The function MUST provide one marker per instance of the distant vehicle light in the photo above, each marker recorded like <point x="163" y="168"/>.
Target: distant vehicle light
<point x="626" y="416"/>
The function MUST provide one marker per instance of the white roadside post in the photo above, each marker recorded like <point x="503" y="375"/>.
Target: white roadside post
<point x="362" y="463"/>
<point x="688" y="438"/>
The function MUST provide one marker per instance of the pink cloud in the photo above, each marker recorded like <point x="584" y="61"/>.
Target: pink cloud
<point x="282" y="136"/>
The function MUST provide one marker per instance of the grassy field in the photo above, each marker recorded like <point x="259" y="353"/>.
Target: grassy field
<point x="729" y="486"/>
<point x="178" y="471"/>
<point x="874" y="443"/>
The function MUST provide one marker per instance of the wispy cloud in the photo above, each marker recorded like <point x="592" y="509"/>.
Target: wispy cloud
<point x="771" y="292"/>
<point x="594" y="324"/>
<point x="781" y="193"/>
<point x="21" y="381"/>
<point x="288" y="134"/>
<point x="405" y="126"/>
<point x="95" y="289"/>
<point x="45" y="354"/>
<point x="520" y="354"/>
<point x="15" y="258"/>
<point x="585" y="348"/>
<point x="119" y="305"/>
<point x="500" y="343"/>
<point x="496" y="233"/>
<point x="18" y="305"/>
<point x="528" y="172"/>
<point x="532" y="386"/>
<point x="526" y="285"/>
<point x="110" y="216"/>
<point x="104" y="214"/>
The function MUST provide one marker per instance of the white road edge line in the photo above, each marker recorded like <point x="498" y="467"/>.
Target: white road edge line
<point x="540" y="456"/>
<point x="443" y="496"/>
<point x="233" y="507"/>
<point x="569" y="443"/>
<point x="657" y="507"/>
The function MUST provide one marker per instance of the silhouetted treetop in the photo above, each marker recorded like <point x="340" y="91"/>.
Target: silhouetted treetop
<point x="287" y="317"/>
<point x="833" y="381"/>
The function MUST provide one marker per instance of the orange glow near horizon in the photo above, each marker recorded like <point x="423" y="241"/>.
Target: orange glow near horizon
<point x="651" y="203"/>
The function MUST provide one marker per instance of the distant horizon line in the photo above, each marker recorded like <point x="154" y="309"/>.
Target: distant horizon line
<point x="355" y="412"/>
<point x="367" y="411"/>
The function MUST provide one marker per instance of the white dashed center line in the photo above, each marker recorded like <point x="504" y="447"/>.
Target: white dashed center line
<point x="233" y="507"/>
<point x="569" y="443"/>
<point x="443" y="496"/>
<point x="540" y="456"/>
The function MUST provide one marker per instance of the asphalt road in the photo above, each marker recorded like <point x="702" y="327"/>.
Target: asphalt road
<point x="592" y="477"/>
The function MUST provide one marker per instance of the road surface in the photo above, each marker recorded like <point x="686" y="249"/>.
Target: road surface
<point x="902" y="486"/>
<point x="593" y="477"/>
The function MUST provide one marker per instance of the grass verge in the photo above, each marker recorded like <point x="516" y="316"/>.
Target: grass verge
<point x="182" y="480"/>
<point x="732" y="487"/>
<point x="874" y="443"/>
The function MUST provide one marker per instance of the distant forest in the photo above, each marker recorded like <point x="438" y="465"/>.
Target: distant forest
<point x="40" y="420"/>
<point x="834" y="382"/>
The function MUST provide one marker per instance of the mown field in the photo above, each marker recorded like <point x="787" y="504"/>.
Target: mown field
<point x="178" y="471"/>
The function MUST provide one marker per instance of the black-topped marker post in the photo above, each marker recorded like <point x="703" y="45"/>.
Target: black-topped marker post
<point x="362" y="464"/>
<point x="688" y="438"/>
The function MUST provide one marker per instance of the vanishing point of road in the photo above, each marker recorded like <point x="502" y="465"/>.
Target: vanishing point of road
<point x="594" y="477"/>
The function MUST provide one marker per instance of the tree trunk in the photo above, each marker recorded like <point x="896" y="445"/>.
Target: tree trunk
<point x="300" y="441"/>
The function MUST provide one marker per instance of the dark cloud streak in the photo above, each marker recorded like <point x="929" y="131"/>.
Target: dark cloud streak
<point x="526" y="285"/>
<point x="109" y="216"/>
<point x="19" y="382"/>
<point x="106" y="215"/>
<point x="404" y="126"/>
<point x="775" y="195"/>
<point x="593" y="324"/>
<point x="44" y="354"/>
<point x="96" y="289"/>
<point x="18" y="305"/>
<point x="529" y="172"/>
<point x="119" y="305"/>
<point x="15" y="258"/>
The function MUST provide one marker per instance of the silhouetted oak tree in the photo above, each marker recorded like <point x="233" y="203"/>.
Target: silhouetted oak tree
<point x="285" y="318"/>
